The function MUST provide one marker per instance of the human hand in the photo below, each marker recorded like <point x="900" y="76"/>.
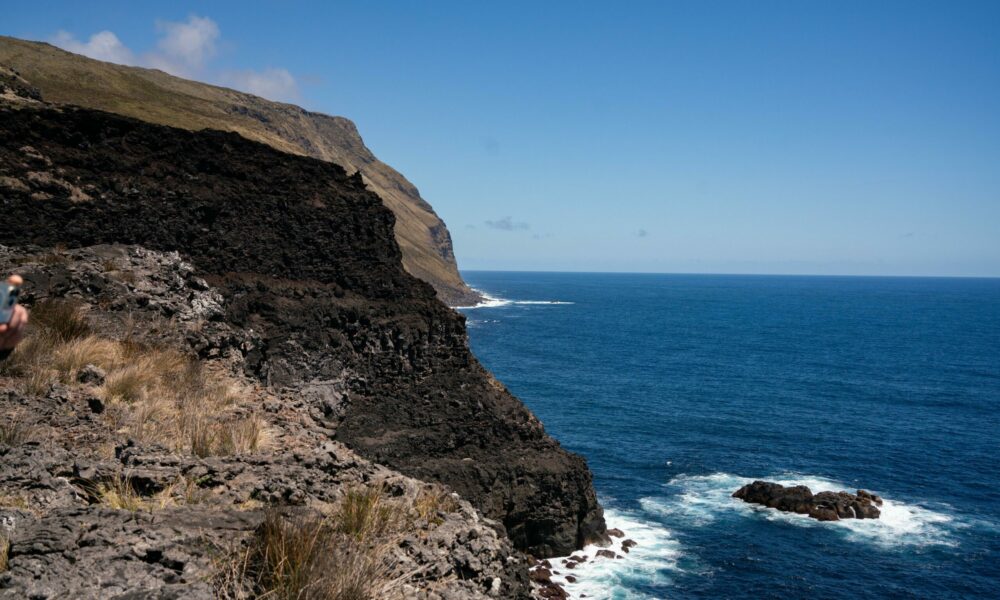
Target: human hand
<point x="11" y="333"/>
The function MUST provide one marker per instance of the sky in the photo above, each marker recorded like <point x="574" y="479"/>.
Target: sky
<point x="797" y="137"/>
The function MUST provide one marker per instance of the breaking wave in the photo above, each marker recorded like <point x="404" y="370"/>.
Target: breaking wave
<point x="494" y="302"/>
<point x="699" y="500"/>
<point x="650" y="562"/>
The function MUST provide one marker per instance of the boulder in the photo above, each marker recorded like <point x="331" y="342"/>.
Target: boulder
<point x="823" y="506"/>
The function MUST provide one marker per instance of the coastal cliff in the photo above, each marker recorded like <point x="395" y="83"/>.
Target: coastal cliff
<point x="156" y="97"/>
<point x="311" y="291"/>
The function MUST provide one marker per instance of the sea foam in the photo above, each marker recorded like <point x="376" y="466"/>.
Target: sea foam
<point x="699" y="500"/>
<point x="649" y="563"/>
<point x="495" y="302"/>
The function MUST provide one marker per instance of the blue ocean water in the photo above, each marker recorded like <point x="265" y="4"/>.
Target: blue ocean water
<point x="680" y="388"/>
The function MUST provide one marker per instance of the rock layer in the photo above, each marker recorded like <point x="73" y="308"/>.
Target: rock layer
<point x="823" y="506"/>
<point x="303" y="256"/>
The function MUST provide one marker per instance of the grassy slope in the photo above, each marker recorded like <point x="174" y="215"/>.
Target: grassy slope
<point x="154" y="96"/>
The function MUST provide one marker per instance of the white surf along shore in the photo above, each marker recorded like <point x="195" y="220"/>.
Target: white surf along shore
<point x="494" y="302"/>
<point x="694" y="501"/>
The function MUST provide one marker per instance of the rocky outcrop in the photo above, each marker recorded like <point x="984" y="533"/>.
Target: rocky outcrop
<point x="824" y="506"/>
<point x="157" y="97"/>
<point x="310" y="286"/>
<point x="60" y="450"/>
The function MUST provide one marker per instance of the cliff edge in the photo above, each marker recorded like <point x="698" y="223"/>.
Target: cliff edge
<point x="154" y="96"/>
<point x="302" y="255"/>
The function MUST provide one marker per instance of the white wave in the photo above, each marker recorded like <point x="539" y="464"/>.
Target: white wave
<point x="699" y="500"/>
<point x="487" y="302"/>
<point x="494" y="302"/>
<point x="648" y="563"/>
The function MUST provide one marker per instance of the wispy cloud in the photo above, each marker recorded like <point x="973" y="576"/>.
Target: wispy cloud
<point x="641" y="233"/>
<point x="186" y="49"/>
<point x="276" y="84"/>
<point x="103" y="45"/>
<point x="507" y="224"/>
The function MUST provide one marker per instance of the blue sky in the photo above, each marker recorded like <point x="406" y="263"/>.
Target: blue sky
<point x="734" y="137"/>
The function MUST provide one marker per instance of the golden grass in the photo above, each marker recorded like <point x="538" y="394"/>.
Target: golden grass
<point x="4" y="552"/>
<point x="430" y="503"/>
<point x="340" y="556"/>
<point x="120" y="494"/>
<point x="72" y="355"/>
<point x="364" y="514"/>
<point x="151" y="394"/>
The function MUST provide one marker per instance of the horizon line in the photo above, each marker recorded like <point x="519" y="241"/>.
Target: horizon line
<point x="581" y="272"/>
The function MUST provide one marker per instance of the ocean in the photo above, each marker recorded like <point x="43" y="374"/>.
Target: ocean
<point x="678" y="389"/>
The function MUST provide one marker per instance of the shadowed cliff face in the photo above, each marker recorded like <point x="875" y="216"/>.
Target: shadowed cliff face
<point x="157" y="97"/>
<point x="305" y="256"/>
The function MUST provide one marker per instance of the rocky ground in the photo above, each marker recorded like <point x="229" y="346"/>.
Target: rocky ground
<point x="189" y="513"/>
<point x="823" y="506"/>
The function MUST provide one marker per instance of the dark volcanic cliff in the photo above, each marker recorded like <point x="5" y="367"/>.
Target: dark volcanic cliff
<point x="304" y="256"/>
<point x="156" y="97"/>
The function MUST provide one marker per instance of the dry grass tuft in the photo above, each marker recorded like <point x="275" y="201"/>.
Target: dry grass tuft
<point x="364" y="514"/>
<point x="14" y="431"/>
<point x="74" y="354"/>
<point x="430" y="503"/>
<point x="120" y="494"/>
<point x="241" y="436"/>
<point x="342" y="556"/>
<point x="128" y="384"/>
<point x="63" y="319"/>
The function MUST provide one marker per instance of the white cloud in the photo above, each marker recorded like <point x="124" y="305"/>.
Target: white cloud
<point x="273" y="84"/>
<point x="103" y="45"/>
<point x="185" y="49"/>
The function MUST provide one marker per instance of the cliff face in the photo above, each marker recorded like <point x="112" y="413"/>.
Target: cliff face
<point x="156" y="97"/>
<point x="303" y="256"/>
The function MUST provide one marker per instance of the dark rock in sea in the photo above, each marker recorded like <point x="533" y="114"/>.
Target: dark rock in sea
<point x="823" y="506"/>
<point x="608" y="554"/>
<point x="618" y="533"/>
<point x="302" y="255"/>
<point x="628" y="545"/>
